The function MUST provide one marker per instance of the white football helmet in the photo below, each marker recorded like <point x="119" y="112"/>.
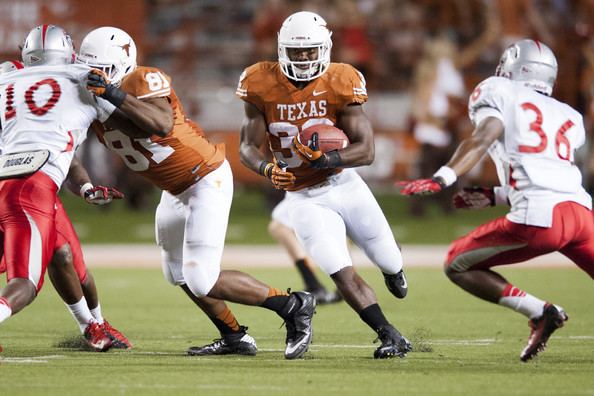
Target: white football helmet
<point x="47" y="45"/>
<point x="109" y="49"/>
<point x="12" y="65"/>
<point x="304" y="30"/>
<point x="531" y="62"/>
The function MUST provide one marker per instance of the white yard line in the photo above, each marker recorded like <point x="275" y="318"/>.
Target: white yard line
<point x="30" y="359"/>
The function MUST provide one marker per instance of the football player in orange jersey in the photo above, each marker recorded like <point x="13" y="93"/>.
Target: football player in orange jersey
<point x="191" y="219"/>
<point x="325" y="201"/>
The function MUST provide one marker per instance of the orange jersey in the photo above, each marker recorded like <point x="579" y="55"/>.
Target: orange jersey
<point x="288" y="110"/>
<point x="176" y="161"/>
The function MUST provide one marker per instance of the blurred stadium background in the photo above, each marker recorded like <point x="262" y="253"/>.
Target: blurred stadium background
<point x="399" y="45"/>
<point x="465" y="347"/>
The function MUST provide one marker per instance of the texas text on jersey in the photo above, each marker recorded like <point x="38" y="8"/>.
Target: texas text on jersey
<point x="174" y="162"/>
<point x="288" y="110"/>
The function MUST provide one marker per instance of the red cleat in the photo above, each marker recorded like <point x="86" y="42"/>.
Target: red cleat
<point x="96" y="338"/>
<point x="541" y="329"/>
<point x="118" y="340"/>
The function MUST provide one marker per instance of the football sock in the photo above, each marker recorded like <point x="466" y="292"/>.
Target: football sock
<point x="521" y="302"/>
<point x="96" y="312"/>
<point x="80" y="312"/>
<point x="374" y="317"/>
<point x="226" y="322"/>
<point x="309" y="278"/>
<point x="5" y="310"/>
<point x="276" y="300"/>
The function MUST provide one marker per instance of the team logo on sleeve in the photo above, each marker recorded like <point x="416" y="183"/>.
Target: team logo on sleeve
<point x="362" y="90"/>
<point x="241" y="91"/>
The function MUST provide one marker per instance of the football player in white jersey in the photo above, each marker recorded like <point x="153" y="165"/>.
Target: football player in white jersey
<point x="67" y="270"/>
<point x="46" y="112"/>
<point x="532" y="139"/>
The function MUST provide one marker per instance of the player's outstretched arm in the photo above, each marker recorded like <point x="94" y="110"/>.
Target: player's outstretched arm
<point x="472" y="149"/>
<point x="79" y="182"/>
<point x="468" y="154"/>
<point x="154" y="115"/>
<point x="120" y="121"/>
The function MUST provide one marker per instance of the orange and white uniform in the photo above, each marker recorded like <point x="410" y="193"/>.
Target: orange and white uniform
<point x="324" y="205"/>
<point x="289" y="110"/>
<point x="197" y="184"/>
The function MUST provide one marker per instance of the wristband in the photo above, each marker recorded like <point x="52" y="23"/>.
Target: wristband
<point x="114" y="95"/>
<point x="334" y="160"/>
<point x="266" y="169"/>
<point x="446" y="174"/>
<point x="85" y="187"/>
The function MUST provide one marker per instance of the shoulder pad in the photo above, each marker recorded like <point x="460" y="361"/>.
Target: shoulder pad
<point x="147" y="82"/>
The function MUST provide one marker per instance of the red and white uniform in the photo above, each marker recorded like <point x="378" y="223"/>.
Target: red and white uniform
<point x="324" y="205"/>
<point x="550" y="210"/>
<point x="43" y="107"/>
<point x="197" y="184"/>
<point x="66" y="234"/>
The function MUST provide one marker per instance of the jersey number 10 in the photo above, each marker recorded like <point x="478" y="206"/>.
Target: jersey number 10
<point x="10" y="110"/>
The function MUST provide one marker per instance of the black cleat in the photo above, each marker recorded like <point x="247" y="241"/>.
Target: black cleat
<point x="397" y="284"/>
<point x="301" y="308"/>
<point x="233" y="344"/>
<point x="393" y="343"/>
<point x="323" y="296"/>
<point x="541" y="329"/>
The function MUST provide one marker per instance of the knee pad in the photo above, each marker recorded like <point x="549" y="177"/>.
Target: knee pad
<point x="200" y="277"/>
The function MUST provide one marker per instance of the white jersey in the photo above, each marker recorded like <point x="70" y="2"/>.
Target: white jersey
<point x="535" y="155"/>
<point x="48" y="107"/>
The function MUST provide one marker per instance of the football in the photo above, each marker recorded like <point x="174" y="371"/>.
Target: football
<point x="329" y="137"/>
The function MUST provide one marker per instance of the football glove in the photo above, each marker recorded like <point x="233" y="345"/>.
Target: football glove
<point x="99" y="195"/>
<point x="474" y="198"/>
<point x="421" y="186"/>
<point x="276" y="173"/>
<point x="98" y="84"/>
<point x="313" y="156"/>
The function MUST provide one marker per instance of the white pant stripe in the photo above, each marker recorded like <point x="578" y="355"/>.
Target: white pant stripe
<point x="35" y="252"/>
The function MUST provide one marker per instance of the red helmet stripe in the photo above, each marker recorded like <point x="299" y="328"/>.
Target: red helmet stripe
<point x="17" y="64"/>
<point x="538" y="45"/>
<point x="43" y="32"/>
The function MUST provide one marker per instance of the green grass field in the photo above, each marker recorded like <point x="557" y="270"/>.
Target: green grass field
<point x="249" y="218"/>
<point x="466" y="346"/>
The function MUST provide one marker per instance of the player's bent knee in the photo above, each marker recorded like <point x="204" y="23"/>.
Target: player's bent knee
<point x="62" y="257"/>
<point x="273" y="227"/>
<point x="200" y="278"/>
<point x="450" y="272"/>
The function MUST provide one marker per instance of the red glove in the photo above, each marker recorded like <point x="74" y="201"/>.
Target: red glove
<point x="420" y="186"/>
<point x="474" y="198"/>
<point x="99" y="195"/>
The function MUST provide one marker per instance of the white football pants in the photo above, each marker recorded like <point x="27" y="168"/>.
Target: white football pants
<point x="324" y="215"/>
<point x="191" y="228"/>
